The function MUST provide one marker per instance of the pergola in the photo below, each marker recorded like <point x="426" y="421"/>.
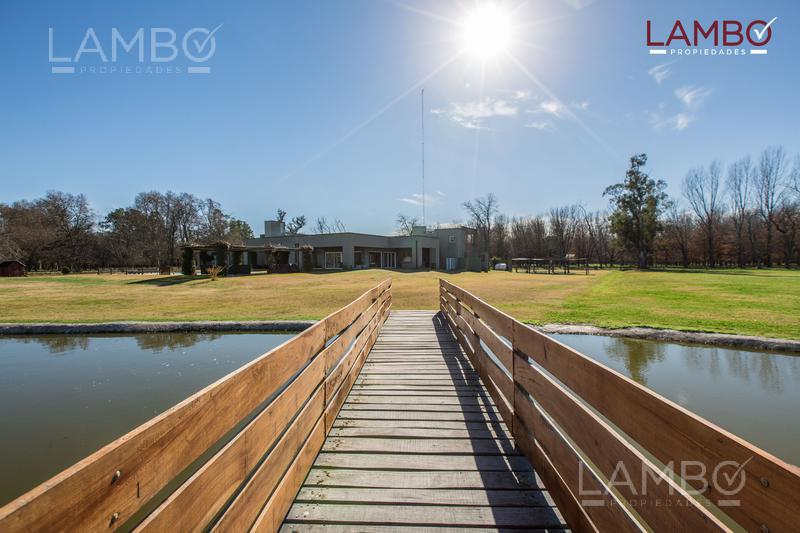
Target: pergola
<point x="549" y="265"/>
<point x="243" y="258"/>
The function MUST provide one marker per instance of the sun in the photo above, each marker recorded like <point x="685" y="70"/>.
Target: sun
<point x="486" y="31"/>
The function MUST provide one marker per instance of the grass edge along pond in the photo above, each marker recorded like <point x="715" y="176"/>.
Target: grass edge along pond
<point x="745" y="302"/>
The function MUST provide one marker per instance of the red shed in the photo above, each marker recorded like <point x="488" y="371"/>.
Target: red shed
<point x="12" y="268"/>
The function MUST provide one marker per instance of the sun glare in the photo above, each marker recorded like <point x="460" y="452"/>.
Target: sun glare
<point x="486" y="31"/>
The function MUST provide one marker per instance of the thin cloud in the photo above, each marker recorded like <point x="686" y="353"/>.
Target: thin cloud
<point x="522" y="95"/>
<point x="542" y="125"/>
<point x="583" y="105"/>
<point x="660" y="72"/>
<point x="416" y="199"/>
<point x="554" y="107"/>
<point x="692" y="97"/>
<point x="473" y="115"/>
<point x="681" y="121"/>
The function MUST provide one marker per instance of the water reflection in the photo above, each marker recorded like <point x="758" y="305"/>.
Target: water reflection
<point x="153" y="342"/>
<point x="58" y="344"/>
<point x="753" y="394"/>
<point x="158" y="342"/>
<point x="635" y="356"/>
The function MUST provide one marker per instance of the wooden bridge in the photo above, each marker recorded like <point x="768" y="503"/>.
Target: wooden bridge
<point x="409" y="421"/>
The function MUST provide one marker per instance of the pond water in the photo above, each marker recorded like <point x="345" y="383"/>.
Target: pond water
<point x="63" y="397"/>
<point x="755" y="395"/>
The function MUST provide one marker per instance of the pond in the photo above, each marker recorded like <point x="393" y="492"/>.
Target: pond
<point x="63" y="397"/>
<point x="755" y="395"/>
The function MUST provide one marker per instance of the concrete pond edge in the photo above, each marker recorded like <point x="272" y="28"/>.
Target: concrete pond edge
<point x="155" y="327"/>
<point x="749" y="342"/>
<point x="720" y="340"/>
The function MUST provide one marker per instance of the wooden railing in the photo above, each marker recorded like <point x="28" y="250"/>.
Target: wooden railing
<point x="230" y="457"/>
<point x="610" y="451"/>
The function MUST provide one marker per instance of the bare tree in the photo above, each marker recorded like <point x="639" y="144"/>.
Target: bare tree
<point x="678" y="231"/>
<point x="701" y="189"/>
<point x="795" y="178"/>
<point x="405" y="223"/>
<point x="500" y="237"/>
<point x="740" y="177"/>
<point x="769" y="188"/>
<point x="296" y="224"/>
<point x="563" y="223"/>
<point x="323" y="226"/>
<point x="481" y="213"/>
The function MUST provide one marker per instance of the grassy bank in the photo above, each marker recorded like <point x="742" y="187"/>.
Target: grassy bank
<point x="749" y="302"/>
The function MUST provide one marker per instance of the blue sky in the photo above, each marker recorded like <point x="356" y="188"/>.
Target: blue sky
<point x="313" y="106"/>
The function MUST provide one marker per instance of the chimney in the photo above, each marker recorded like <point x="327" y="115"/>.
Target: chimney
<point x="274" y="228"/>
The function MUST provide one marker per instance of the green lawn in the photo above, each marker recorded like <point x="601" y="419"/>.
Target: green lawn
<point x="753" y="302"/>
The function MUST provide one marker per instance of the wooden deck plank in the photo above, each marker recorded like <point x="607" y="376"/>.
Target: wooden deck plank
<point x="482" y="497"/>
<point x="425" y="462"/>
<point x="295" y="527"/>
<point x="419" y="444"/>
<point x="424" y="515"/>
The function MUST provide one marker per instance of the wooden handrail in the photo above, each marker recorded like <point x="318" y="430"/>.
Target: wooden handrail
<point x="571" y="414"/>
<point x="253" y="477"/>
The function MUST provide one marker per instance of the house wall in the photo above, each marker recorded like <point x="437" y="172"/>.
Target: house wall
<point x="459" y="248"/>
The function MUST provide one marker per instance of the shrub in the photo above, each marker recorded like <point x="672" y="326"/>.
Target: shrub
<point x="65" y="270"/>
<point x="215" y="272"/>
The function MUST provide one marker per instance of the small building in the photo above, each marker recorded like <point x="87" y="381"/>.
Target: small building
<point x="12" y="268"/>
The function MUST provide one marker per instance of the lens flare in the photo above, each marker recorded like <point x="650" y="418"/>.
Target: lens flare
<point x="486" y="31"/>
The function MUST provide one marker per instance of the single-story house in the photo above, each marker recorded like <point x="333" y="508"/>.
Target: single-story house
<point x="443" y="248"/>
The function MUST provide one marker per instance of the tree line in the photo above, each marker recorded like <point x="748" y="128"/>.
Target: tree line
<point x="61" y="231"/>
<point x="746" y="214"/>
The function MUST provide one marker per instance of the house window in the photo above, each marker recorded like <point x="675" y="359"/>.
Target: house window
<point x="451" y="239"/>
<point x="333" y="260"/>
<point x="388" y="259"/>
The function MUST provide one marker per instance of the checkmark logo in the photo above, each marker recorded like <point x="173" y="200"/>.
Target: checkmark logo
<point x="759" y="34"/>
<point x="730" y="479"/>
<point x="200" y="45"/>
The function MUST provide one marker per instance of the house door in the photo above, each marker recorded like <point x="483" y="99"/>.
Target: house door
<point x="388" y="260"/>
<point x="374" y="259"/>
<point x="426" y="257"/>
